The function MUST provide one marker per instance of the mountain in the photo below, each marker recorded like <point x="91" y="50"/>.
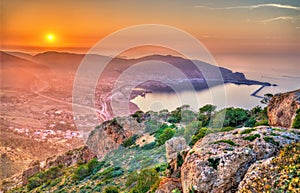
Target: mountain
<point x="17" y="72"/>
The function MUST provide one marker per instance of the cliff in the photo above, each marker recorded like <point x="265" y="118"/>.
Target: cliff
<point x="282" y="108"/>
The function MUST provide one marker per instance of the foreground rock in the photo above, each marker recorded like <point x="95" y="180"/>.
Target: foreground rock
<point x="219" y="161"/>
<point x="282" y="108"/>
<point x="276" y="174"/>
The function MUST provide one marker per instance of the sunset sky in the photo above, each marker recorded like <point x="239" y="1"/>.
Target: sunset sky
<point x="231" y="26"/>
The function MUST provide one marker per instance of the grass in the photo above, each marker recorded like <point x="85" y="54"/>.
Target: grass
<point x="271" y="140"/>
<point x="228" y="141"/>
<point x="251" y="137"/>
<point x="247" y="131"/>
<point x="274" y="134"/>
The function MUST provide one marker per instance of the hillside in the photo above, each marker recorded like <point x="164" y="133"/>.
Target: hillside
<point x="178" y="151"/>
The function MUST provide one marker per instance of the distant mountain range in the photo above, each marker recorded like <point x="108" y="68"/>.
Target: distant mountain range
<point x="19" y="69"/>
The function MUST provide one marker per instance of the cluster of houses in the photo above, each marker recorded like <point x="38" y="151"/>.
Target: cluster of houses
<point x="40" y="134"/>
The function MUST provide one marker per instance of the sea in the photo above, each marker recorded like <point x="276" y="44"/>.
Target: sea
<point x="280" y="69"/>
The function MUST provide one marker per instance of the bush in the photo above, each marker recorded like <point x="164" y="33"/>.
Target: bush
<point x="296" y="122"/>
<point x="44" y="176"/>
<point x="226" y="141"/>
<point x="130" y="141"/>
<point x="271" y="140"/>
<point x="263" y="122"/>
<point x="85" y="170"/>
<point x="149" y="146"/>
<point x="145" y="180"/>
<point x="250" y="122"/>
<point x="247" y="131"/>
<point x="111" y="189"/>
<point x="166" y="135"/>
<point x="199" y="135"/>
<point x="251" y="137"/>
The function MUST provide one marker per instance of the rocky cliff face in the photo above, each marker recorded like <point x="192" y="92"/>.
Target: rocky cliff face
<point x="111" y="134"/>
<point x="282" y="108"/>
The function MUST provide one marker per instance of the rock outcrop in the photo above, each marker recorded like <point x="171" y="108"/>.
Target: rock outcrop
<point x="218" y="162"/>
<point x="176" y="149"/>
<point x="282" y="108"/>
<point x="168" y="185"/>
<point x="110" y="134"/>
<point x="275" y="174"/>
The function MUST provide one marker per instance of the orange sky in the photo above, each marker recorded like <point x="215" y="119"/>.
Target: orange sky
<point x="223" y="26"/>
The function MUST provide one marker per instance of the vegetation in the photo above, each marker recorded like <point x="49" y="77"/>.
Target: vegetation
<point x="271" y="140"/>
<point x="130" y="141"/>
<point x="167" y="134"/>
<point x="144" y="181"/>
<point x="214" y="162"/>
<point x="247" y="131"/>
<point x="136" y="170"/>
<point x="111" y="189"/>
<point x="85" y="170"/>
<point x="296" y="123"/>
<point x="281" y="175"/>
<point x="44" y="176"/>
<point x="228" y="141"/>
<point x="252" y="137"/>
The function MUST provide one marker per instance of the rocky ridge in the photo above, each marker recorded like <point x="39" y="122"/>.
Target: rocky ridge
<point x="282" y="108"/>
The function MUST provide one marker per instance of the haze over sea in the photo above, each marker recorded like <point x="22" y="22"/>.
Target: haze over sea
<point x="281" y="70"/>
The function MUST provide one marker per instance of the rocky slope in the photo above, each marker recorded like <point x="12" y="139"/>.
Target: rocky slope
<point x="79" y="155"/>
<point x="218" y="163"/>
<point x="282" y="108"/>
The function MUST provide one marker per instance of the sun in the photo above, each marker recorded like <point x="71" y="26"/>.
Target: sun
<point x="50" y="38"/>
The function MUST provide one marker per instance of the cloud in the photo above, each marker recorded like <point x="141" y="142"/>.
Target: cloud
<point x="271" y="5"/>
<point x="277" y="19"/>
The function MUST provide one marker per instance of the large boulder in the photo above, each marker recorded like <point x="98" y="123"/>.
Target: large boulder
<point x="218" y="162"/>
<point x="176" y="149"/>
<point x="282" y="108"/>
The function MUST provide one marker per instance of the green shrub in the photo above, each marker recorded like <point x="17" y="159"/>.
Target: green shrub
<point x="149" y="146"/>
<point x="271" y="140"/>
<point x="199" y="135"/>
<point x="147" y="179"/>
<point x="251" y="137"/>
<point x="130" y="141"/>
<point x="263" y="122"/>
<point x="166" y="135"/>
<point x="250" y="122"/>
<point x="225" y="129"/>
<point x="44" y="176"/>
<point x="85" y="170"/>
<point x="138" y="115"/>
<point x="296" y="122"/>
<point x="247" y="131"/>
<point x="228" y="141"/>
<point x="111" y="189"/>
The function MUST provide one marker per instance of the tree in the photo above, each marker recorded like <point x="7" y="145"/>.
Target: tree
<point x="187" y="116"/>
<point x="205" y="113"/>
<point x="191" y="129"/>
<point x="167" y="134"/>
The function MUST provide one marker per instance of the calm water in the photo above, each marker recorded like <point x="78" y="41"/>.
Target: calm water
<point x="283" y="71"/>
